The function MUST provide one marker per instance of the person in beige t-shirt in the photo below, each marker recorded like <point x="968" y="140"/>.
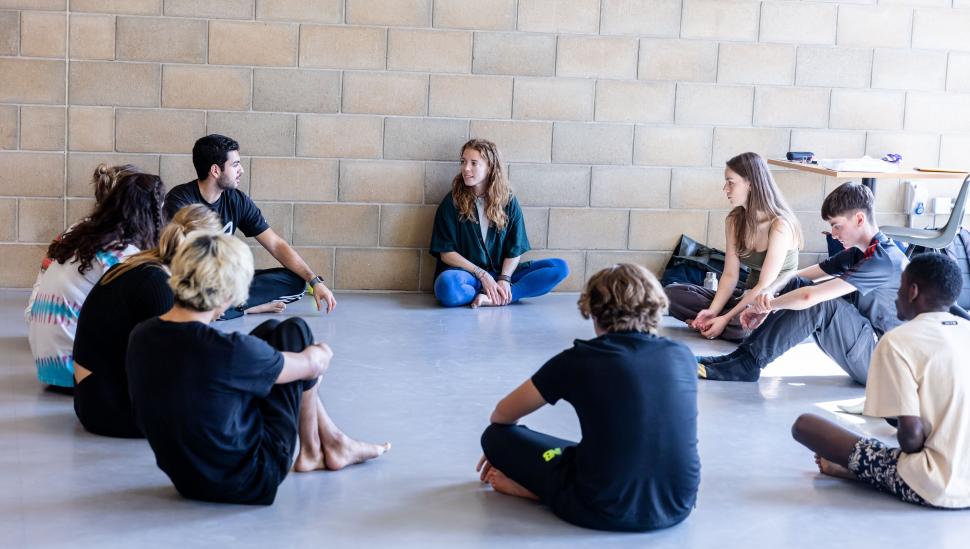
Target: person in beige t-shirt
<point x="919" y="380"/>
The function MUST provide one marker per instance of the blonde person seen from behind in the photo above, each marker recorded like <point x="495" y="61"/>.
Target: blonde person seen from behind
<point x="762" y="233"/>
<point x="222" y="411"/>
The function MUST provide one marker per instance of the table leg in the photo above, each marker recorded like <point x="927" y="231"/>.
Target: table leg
<point x="871" y="183"/>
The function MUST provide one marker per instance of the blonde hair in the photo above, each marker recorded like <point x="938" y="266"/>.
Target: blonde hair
<point x="765" y="198"/>
<point x="211" y="270"/>
<point x="498" y="193"/>
<point x="194" y="217"/>
<point x="624" y="297"/>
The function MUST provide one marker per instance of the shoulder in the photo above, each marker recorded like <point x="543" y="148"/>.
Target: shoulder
<point x="237" y="196"/>
<point x="447" y="204"/>
<point x="513" y="205"/>
<point x="780" y="225"/>
<point x="182" y="191"/>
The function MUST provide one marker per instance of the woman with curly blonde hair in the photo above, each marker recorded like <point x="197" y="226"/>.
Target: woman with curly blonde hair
<point x="479" y="237"/>
<point x="636" y="466"/>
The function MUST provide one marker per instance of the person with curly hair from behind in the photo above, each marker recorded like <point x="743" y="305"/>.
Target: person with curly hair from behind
<point x="636" y="467"/>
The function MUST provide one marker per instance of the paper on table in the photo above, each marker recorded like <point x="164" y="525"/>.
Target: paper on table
<point x="864" y="164"/>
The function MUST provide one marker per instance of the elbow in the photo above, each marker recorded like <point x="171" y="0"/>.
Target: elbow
<point x="499" y="417"/>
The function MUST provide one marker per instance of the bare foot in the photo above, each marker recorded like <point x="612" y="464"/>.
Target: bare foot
<point x="271" y="307"/>
<point x="827" y="467"/>
<point x="309" y="461"/>
<point x="481" y="300"/>
<point x="504" y="485"/>
<point x="347" y="451"/>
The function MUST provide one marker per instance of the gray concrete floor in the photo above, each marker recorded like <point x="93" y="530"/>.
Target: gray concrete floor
<point x="426" y="379"/>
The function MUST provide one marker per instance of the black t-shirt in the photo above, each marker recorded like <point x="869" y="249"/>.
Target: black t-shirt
<point x="196" y="393"/>
<point x="875" y="274"/>
<point x="108" y="315"/>
<point x="636" y="397"/>
<point x="236" y="210"/>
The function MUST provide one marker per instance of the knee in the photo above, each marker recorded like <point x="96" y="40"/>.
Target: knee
<point x="802" y="427"/>
<point x="490" y="438"/>
<point x="294" y="282"/>
<point x="561" y="267"/>
<point x="446" y="289"/>
<point x="298" y="328"/>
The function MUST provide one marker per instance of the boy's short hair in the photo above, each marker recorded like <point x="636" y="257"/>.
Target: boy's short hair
<point x="938" y="277"/>
<point x="211" y="269"/>
<point x="847" y="198"/>
<point x="209" y="150"/>
<point x="624" y="297"/>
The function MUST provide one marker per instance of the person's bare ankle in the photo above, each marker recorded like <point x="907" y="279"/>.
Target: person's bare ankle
<point x="340" y="451"/>
<point x="504" y="485"/>
<point x="309" y="459"/>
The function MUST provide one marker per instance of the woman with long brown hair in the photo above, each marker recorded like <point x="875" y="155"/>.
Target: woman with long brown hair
<point x="127" y="220"/>
<point x="130" y="292"/>
<point x="479" y="237"/>
<point x="762" y="233"/>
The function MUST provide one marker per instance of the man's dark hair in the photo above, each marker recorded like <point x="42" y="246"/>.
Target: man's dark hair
<point x="938" y="277"/>
<point x="848" y="198"/>
<point x="209" y="150"/>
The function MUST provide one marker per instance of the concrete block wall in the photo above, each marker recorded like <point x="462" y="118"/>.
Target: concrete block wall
<point x="615" y="116"/>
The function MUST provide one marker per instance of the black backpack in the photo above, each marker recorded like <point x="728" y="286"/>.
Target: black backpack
<point x="959" y="250"/>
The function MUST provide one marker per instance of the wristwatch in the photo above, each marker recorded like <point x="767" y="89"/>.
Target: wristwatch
<point x="315" y="280"/>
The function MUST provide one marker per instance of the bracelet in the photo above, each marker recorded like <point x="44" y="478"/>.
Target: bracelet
<point x="505" y="277"/>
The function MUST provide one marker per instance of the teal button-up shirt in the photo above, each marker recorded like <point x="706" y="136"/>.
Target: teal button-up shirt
<point x="451" y="234"/>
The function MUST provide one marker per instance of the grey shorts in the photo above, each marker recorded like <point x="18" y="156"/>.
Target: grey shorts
<point x="872" y="462"/>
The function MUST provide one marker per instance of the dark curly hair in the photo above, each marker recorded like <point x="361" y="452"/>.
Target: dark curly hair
<point x="624" y="297"/>
<point x="131" y="213"/>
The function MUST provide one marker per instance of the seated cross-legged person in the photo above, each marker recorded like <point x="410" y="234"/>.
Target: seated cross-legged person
<point x="127" y="294"/>
<point x="762" y="233"/>
<point x="845" y="314"/>
<point x="479" y="237"/>
<point x="636" y="467"/>
<point x="219" y="169"/>
<point x="919" y="379"/>
<point x="222" y="410"/>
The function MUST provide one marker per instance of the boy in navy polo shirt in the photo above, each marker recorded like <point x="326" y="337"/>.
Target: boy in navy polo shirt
<point x="636" y="467"/>
<point x="845" y="314"/>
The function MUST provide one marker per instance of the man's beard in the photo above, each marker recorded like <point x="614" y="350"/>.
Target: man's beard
<point x="225" y="183"/>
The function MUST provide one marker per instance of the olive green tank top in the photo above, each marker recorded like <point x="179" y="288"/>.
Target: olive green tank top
<point x="756" y="259"/>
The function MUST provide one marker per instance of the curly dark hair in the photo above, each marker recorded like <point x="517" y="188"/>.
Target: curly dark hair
<point x="131" y="213"/>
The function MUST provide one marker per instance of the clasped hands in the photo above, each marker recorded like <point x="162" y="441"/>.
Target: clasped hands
<point x="710" y="325"/>
<point x="755" y="314"/>
<point x="499" y="293"/>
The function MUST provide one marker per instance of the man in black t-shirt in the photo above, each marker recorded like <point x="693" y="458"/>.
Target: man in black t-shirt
<point x="636" y="467"/>
<point x="845" y="315"/>
<point x="216" y="160"/>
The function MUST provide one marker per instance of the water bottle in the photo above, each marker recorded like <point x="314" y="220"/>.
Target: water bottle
<point x="710" y="281"/>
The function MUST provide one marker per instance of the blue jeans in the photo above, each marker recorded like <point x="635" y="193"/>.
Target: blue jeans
<point x="456" y="287"/>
